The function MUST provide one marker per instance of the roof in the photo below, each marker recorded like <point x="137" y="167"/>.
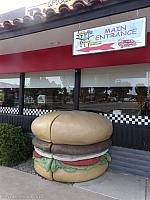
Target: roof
<point x="61" y="13"/>
<point x="36" y="15"/>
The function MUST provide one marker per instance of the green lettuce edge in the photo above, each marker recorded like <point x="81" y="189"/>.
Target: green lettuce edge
<point x="53" y="165"/>
<point x="44" y="162"/>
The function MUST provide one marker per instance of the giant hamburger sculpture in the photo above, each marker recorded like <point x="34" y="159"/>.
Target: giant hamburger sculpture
<point x="71" y="146"/>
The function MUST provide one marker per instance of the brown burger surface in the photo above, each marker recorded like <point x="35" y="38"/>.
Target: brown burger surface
<point x="71" y="149"/>
<point x="46" y="146"/>
<point x="71" y="146"/>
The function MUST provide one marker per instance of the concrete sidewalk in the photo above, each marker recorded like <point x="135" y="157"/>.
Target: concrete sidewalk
<point x="119" y="186"/>
<point x="17" y="185"/>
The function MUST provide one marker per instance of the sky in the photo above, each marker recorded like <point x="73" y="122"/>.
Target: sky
<point x="8" y="5"/>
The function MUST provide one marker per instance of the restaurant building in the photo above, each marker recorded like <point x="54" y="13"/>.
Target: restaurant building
<point x="40" y="71"/>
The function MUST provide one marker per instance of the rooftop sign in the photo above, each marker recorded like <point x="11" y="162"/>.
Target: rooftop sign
<point x="124" y="35"/>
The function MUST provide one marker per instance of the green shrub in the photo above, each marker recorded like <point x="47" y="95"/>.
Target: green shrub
<point x="15" y="147"/>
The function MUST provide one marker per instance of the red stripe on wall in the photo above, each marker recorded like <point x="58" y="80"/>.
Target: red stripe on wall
<point x="60" y="58"/>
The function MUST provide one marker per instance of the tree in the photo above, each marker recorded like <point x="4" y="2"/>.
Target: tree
<point x="84" y="93"/>
<point x="141" y="96"/>
<point x="100" y="93"/>
<point x="120" y="92"/>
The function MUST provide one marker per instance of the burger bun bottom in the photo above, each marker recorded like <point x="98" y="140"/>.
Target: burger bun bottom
<point x="41" y="171"/>
<point x="78" y="176"/>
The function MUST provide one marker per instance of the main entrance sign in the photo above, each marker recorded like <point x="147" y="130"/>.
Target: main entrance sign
<point x="124" y="35"/>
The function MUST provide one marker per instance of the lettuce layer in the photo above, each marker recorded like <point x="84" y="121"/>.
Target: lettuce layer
<point x="53" y="165"/>
<point x="44" y="162"/>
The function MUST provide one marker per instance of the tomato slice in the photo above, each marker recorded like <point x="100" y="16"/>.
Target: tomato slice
<point x="87" y="162"/>
<point x="36" y="155"/>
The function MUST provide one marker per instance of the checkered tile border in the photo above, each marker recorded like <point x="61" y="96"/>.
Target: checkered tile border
<point x="127" y="119"/>
<point x="9" y="110"/>
<point x="35" y="112"/>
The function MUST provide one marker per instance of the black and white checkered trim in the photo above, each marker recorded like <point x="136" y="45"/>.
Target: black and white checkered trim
<point x="35" y="111"/>
<point x="128" y="119"/>
<point x="9" y="110"/>
<point x="116" y="118"/>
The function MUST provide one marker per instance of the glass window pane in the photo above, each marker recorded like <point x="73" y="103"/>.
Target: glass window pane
<point x="121" y="88"/>
<point x="9" y="90"/>
<point x="49" y="90"/>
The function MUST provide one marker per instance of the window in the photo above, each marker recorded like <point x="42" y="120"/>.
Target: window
<point x="121" y="89"/>
<point x="49" y="90"/>
<point x="9" y="90"/>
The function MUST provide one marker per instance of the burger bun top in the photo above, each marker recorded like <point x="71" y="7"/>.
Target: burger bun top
<point x="72" y="127"/>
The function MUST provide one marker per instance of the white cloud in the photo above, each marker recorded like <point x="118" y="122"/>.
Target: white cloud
<point x="8" y="5"/>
